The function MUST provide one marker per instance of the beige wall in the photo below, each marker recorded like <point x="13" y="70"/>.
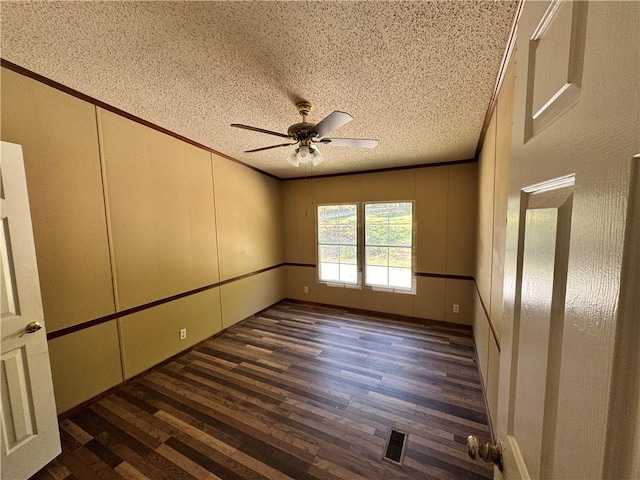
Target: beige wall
<point x="246" y="296"/>
<point x="124" y="216"/>
<point x="151" y="336"/>
<point x="493" y="188"/>
<point x="60" y="145"/>
<point x="85" y="364"/>
<point x="249" y="214"/>
<point x="445" y="212"/>
<point x="160" y="207"/>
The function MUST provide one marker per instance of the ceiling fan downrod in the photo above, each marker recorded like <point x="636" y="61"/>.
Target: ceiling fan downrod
<point x="303" y="109"/>
<point x="302" y="131"/>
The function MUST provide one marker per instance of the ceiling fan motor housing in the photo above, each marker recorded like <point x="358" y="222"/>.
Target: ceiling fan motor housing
<point x="301" y="131"/>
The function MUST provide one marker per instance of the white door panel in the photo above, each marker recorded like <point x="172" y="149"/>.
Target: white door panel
<point x="30" y="436"/>
<point x="538" y="326"/>
<point x="576" y="128"/>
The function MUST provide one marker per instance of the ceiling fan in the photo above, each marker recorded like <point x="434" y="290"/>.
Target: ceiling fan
<point x="306" y="135"/>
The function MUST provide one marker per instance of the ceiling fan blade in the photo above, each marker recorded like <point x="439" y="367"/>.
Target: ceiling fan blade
<point x="350" y="142"/>
<point x="332" y="122"/>
<point x="267" y="148"/>
<point x="261" y="130"/>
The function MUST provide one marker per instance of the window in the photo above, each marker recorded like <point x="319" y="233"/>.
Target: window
<point x="387" y="237"/>
<point x="338" y="243"/>
<point x="388" y="244"/>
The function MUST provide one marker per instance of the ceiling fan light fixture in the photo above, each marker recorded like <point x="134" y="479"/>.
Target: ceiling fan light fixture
<point x="316" y="156"/>
<point x="305" y="154"/>
<point x="293" y="158"/>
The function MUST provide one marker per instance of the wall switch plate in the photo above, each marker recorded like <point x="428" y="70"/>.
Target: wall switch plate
<point x="183" y="333"/>
<point x="306" y="289"/>
<point x="456" y="308"/>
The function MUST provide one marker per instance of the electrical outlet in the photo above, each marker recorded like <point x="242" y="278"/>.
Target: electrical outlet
<point x="306" y="289"/>
<point x="456" y="308"/>
<point x="183" y="333"/>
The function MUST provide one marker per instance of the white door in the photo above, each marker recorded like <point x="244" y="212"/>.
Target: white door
<point x="30" y="437"/>
<point x="576" y="128"/>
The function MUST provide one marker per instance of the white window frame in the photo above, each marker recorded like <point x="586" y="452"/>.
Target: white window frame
<point x="393" y="288"/>
<point x="340" y="283"/>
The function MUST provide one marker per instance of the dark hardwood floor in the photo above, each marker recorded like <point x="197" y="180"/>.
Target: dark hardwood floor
<point x="296" y="391"/>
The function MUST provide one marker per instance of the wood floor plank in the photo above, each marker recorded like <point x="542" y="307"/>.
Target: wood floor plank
<point x="85" y="464"/>
<point x="75" y="431"/>
<point x="336" y="470"/>
<point x="188" y="465"/>
<point x="134" y="418"/>
<point x="259" y="467"/>
<point x="210" y="462"/>
<point x="129" y="472"/>
<point x="297" y="391"/>
<point x="196" y="433"/>
<point x="246" y="424"/>
<point x="138" y="461"/>
<point x="127" y="427"/>
<point x="220" y="462"/>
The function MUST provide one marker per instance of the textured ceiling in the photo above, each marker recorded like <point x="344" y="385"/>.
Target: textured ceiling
<point x="417" y="75"/>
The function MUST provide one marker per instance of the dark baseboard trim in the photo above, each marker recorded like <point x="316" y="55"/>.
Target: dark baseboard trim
<point x="492" y="432"/>
<point x="391" y="316"/>
<point x="112" y="316"/>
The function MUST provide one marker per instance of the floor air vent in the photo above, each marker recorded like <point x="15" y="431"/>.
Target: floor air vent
<point x="396" y="442"/>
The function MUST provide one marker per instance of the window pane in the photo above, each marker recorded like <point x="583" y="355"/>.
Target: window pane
<point x="330" y="272"/>
<point x="400" y="235"/>
<point x="375" y="213"/>
<point x="337" y="243"/>
<point x="337" y="214"/>
<point x="388" y="241"/>
<point x="400" y="213"/>
<point x="348" y="213"/>
<point x="329" y="214"/>
<point x="337" y="234"/>
<point x="376" y="234"/>
<point x="377" y="256"/>
<point x="331" y="234"/>
<point x="400" y="257"/>
<point x="348" y="273"/>
<point x="330" y="253"/>
<point x="349" y="234"/>
<point x="400" y="277"/>
<point x="376" y="275"/>
<point x="324" y="233"/>
<point x="328" y="217"/>
<point x="348" y="255"/>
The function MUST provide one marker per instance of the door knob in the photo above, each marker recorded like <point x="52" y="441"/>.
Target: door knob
<point x="487" y="452"/>
<point x="31" y="328"/>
